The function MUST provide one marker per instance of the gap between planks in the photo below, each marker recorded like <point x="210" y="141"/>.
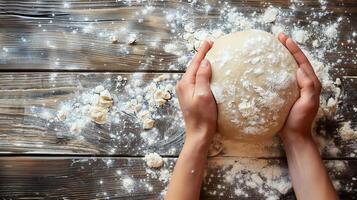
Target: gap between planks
<point x="74" y="156"/>
<point x="92" y="71"/>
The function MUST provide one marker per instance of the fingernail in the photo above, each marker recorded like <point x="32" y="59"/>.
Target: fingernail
<point x="204" y="63"/>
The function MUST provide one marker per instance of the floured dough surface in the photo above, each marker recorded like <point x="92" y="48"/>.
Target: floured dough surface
<point x="254" y="84"/>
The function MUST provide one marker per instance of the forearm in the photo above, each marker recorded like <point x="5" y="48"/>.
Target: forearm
<point x="307" y="171"/>
<point x="188" y="173"/>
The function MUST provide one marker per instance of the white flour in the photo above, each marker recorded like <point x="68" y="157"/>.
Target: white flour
<point x="269" y="180"/>
<point x="144" y="101"/>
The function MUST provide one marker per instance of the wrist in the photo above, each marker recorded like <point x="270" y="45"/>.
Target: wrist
<point x="296" y="139"/>
<point x="200" y="140"/>
<point x="203" y="133"/>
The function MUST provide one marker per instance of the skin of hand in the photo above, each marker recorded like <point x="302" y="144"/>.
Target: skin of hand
<point x="199" y="111"/>
<point x="303" y="112"/>
<point x="197" y="103"/>
<point x="307" y="171"/>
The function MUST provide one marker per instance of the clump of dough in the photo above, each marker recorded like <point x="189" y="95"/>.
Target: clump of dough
<point x="270" y="15"/>
<point x="161" y="97"/>
<point x="99" y="111"/>
<point x="105" y="99"/>
<point x="99" y="114"/>
<point x="148" y="123"/>
<point x="155" y="95"/>
<point x="347" y="132"/>
<point x="154" y="160"/>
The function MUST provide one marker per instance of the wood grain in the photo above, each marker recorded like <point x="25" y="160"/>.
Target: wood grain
<point x="28" y="99"/>
<point x="38" y="39"/>
<point x="88" y="178"/>
<point x="29" y="103"/>
<point x="52" y="36"/>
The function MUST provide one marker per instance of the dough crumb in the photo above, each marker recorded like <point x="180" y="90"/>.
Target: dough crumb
<point x="154" y="160"/>
<point x="114" y="39"/>
<point x="300" y="36"/>
<point x="99" y="114"/>
<point x="99" y="111"/>
<point x="132" y="39"/>
<point x="62" y="114"/>
<point x="347" y="132"/>
<point x="105" y="99"/>
<point x="270" y="15"/>
<point x="148" y="123"/>
<point x="161" y="97"/>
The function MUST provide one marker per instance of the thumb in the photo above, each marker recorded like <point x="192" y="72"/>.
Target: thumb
<point x="203" y="78"/>
<point x="305" y="83"/>
<point x="307" y="89"/>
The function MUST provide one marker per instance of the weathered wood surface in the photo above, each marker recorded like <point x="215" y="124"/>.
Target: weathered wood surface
<point x="29" y="103"/>
<point x="52" y="35"/>
<point x="57" y="36"/>
<point x="88" y="178"/>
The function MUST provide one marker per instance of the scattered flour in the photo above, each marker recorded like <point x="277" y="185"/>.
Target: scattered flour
<point x="145" y="102"/>
<point x="101" y="104"/>
<point x="128" y="184"/>
<point x="331" y="31"/>
<point x="269" y="180"/>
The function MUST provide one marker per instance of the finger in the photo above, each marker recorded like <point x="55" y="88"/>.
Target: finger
<point x="184" y="93"/>
<point x="203" y="77"/>
<point x="296" y="52"/>
<point x="282" y="38"/>
<point x="191" y="71"/>
<point x="305" y="83"/>
<point x="312" y="76"/>
<point x="303" y="62"/>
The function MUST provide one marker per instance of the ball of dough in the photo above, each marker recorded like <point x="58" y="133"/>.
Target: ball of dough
<point x="254" y="84"/>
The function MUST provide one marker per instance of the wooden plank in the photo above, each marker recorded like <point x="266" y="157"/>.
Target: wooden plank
<point x="59" y="7"/>
<point x="57" y="37"/>
<point x="89" y="178"/>
<point x="29" y="103"/>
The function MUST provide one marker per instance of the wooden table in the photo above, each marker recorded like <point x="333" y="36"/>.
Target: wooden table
<point x="45" y="55"/>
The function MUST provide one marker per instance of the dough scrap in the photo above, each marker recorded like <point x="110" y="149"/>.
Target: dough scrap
<point x="154" y="160"/>
<point x="99" y="111"/>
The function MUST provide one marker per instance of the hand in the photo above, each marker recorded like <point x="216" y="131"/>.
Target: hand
<point x="195" y="97"/>
<point x="303" y="112"/>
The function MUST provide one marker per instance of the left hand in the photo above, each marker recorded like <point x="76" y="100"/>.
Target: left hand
<point x="196" y="100"/>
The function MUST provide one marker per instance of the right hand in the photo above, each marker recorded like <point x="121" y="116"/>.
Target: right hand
<point x="303" y="112"/>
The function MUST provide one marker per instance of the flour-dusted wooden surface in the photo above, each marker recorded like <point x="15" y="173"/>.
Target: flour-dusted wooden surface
<point x="53" y="50"/>
<point x="25" y="97"/>
<point x="52" y="35"/>
<point x="91" y="178"/>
